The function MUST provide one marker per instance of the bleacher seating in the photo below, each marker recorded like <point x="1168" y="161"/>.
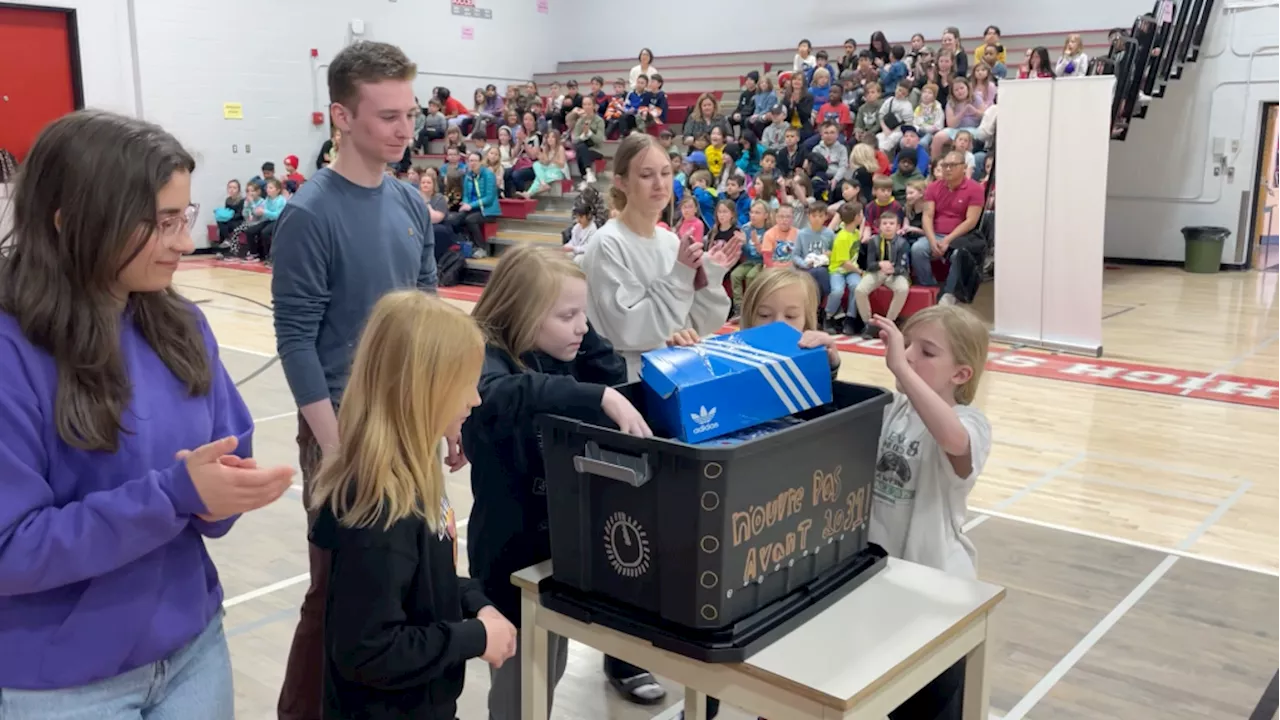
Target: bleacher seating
<point x="688" y="76"/>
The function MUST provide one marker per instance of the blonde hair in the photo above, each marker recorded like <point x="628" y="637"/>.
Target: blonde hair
<point x="1066" y="45"/>
<point x="631" y="148"/>
<point x="771" y="281"/>
<point x="418" y="357"/>
<point x="967" y="336"/>
<point x="864" y="156"/>
<point x="520" y="292"/>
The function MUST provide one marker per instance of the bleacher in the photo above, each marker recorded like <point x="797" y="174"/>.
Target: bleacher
<point x="688" y="76"/>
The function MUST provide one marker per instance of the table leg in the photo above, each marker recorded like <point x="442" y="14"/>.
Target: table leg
<point x="977" y="684"/>
<point x="695" y="705"/>
<point x="533" y="660"/>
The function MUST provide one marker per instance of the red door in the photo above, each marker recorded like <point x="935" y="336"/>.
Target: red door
<point x="36" y="83"/>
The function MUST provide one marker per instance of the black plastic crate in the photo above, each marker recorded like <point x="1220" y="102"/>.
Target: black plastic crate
<point x="704" y="536"/>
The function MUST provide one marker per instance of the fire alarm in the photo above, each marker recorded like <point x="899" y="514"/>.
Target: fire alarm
<point x="317" y="118"/>
<point x="315" y="52"/>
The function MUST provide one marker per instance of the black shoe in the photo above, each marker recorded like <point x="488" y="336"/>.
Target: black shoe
<point x="851" y="325"/>
<point x="832" y="327"/>
<point x="870" y="331"/>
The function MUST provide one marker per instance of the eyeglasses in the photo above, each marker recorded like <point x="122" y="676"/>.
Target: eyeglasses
<point x="174" y="225"/>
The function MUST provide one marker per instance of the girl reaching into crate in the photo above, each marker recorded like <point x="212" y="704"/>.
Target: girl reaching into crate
<point x="647" y="283"/>
<point x="933" y="446"/>
<point x="541" y="356"/>
<point x="401" y="624"/>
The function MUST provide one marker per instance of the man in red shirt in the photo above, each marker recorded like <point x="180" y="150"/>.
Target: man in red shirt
<point x="952" y="209"/>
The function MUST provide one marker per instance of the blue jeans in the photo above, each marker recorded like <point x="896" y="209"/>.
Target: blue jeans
<point x="193" y="683"/>
<point x="836" y="300"/>
<point x="922" y="262"/>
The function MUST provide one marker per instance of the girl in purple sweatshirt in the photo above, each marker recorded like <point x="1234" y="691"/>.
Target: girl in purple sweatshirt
<point x="125" y="443"/>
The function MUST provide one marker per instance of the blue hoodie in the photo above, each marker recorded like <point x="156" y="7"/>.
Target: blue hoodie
<point x="103" y="567"/>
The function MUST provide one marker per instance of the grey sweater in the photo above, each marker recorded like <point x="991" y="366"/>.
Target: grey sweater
<point x="338" y="248"/>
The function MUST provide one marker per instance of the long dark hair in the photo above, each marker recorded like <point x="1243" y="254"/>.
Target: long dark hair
<point x="72" y="236"/>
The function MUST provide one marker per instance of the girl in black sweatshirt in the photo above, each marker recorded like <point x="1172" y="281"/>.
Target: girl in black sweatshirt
<point x="399" y="624"/>
<point x="542" y="357"/>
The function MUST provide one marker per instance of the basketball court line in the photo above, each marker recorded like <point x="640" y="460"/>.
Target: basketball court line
<point x="1068" y="661"/>
<point x="1216" y="386"/>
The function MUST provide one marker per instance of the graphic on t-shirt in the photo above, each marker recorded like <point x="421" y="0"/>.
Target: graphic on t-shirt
<point x="783" y="250"/>
<point x="893" y="472"/>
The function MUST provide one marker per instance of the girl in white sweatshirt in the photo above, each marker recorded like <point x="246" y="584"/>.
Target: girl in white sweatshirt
<point x="645" y="282"/>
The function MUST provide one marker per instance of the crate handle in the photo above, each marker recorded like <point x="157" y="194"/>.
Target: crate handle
<point x="628" y="469"/>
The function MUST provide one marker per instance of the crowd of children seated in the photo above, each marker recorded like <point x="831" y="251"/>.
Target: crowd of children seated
<point x="246" y="220"/>
<point x="870" y="128"/>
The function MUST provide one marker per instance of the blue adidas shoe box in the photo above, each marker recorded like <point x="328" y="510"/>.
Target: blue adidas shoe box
<point x="731" y="382"/>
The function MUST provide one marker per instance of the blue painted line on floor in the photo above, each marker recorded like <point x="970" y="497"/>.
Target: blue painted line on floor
<point x="262" y="622"/>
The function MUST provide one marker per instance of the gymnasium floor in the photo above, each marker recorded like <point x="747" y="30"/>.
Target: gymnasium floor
<point x="1129" y="506"/>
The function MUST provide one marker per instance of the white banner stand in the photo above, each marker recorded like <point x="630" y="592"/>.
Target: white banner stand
<point x="1053" y="141"/>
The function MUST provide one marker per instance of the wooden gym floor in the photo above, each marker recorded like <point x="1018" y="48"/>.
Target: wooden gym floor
<point x="1130" y="506"/>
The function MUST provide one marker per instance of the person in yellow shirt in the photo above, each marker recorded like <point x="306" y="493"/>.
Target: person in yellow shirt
<point x="715" y="151"/>
<point x="990" y="36"/>
<point x="843" y="269"/>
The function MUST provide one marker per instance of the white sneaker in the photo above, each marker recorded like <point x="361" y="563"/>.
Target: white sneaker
<point x="591" y="176"/>
<point x="947" y="299"/>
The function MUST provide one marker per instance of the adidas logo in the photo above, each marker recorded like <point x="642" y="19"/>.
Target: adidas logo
<point x="705" y="419"/>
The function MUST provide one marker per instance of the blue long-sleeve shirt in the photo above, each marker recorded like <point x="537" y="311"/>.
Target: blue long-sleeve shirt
<point x="480" y="190"/>
<point x="103" y="567"/>
<point x="273" y="206"/>
<point x="339" y="247"/>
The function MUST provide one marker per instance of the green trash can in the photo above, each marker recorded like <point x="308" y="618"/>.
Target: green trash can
<point x="1204" y="248"/>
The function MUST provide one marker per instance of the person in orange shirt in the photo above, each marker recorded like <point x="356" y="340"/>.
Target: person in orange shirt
<point x="780" y="240"/>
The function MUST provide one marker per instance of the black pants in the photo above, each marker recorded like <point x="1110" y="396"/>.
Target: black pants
<point x="445" y="239"/>
<point x="515" y="181"/>
<point x="966" y="255"/>
<point x="257" y="239"/>
<point x="473" y="220"/>
<point x="228" y="227"/>
<point x="427" y="135"/>
<point x="586" y="157"/>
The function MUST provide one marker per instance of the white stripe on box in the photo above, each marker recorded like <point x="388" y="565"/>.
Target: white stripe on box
<point x="735" y="350"/>
<point x="790" y="363"/>
<point x="765" y="371"/>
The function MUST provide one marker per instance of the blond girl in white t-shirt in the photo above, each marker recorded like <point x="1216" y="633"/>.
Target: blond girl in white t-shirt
<point x="933" y="443"/>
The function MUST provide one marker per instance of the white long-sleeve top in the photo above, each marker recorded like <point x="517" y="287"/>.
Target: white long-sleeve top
<point x="639" y="295"/>
<point x="1079" y="65"/>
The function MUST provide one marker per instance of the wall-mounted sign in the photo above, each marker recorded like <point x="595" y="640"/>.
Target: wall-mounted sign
<point x="467" y="8"/>
<point x="543" y="6"/>
<point x="468" y="33"/>
<point x="232" y="111"/>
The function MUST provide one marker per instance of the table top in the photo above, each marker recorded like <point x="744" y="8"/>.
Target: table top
<point x="888" y="622"/>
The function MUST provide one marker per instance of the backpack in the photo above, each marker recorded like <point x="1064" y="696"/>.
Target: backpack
<point x="449" y="268"/>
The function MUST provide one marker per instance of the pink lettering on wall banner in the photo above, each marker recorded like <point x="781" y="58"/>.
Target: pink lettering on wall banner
<point x="468" y="33"/>
<point x="543" y="6"/>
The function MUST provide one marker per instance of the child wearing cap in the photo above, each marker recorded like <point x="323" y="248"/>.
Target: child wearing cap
<point x="774" y="136"/>
<point x="291" y="170"/>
